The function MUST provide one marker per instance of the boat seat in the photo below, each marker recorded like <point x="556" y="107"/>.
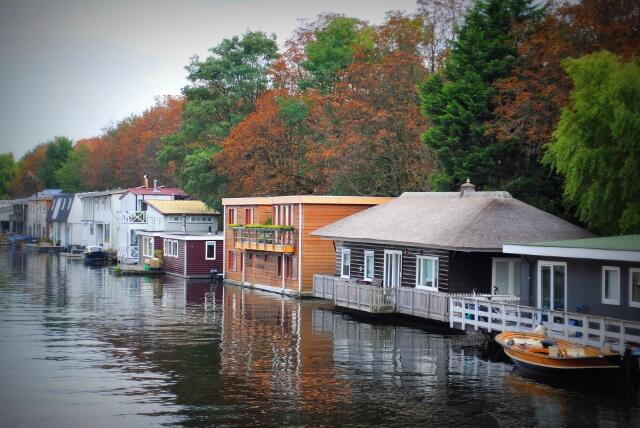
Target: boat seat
<point x="575" y="352"/>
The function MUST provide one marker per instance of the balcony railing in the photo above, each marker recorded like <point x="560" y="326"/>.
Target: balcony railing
<point x="133" y="217"/>
<point x="279" y="241"/>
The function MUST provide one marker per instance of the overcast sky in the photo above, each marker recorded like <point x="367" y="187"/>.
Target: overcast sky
<point x="72" y="67"/>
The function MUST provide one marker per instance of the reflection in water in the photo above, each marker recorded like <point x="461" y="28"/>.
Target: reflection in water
<point x="80" y="346"/>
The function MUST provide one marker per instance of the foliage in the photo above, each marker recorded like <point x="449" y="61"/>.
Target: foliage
<point x="57" y="152"/>
<point x="27" y="181"/>
<point x="458" y="103"/>
<point x="69" y="174"/>
<point x="597" y="137"/>
<point x="7" y="173"/>
<point x="267" y="227"/>
<point x="223" y="90"/>
<point x="333" y="48"/>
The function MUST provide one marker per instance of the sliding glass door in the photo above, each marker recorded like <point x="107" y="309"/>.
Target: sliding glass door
<point x="392" y="269"/>
<point x="552" y="286"/>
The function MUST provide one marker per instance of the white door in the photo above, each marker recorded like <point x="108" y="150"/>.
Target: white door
<point x="552" y="286"/>
<point x="506" y="277"/>
<point x="392" y="269"/>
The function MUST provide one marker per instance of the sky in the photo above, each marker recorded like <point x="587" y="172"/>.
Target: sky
<point x="73" y="67"/>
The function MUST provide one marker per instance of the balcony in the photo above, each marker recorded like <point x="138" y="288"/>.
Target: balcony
<point x="268" y="238"/>
<point x="133" y="217"/>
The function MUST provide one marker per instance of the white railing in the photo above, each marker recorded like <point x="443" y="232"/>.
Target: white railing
<point x="128" y="255"/>
<point x="417" y="302"/>
<point x="585" y="329"/>
<point x="133" y="216"/>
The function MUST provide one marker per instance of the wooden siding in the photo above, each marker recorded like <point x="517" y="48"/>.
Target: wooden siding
<point x="197" y="264"/>
<point x="318" y="255"/>
<point x="175" y="264"/>
<point x="408" y="262"/>
<point x="157" y="245"/>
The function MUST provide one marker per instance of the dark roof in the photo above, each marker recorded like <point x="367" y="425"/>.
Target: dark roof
<point x="173" y="191"/>
<point x="60" y="208"/>
<point x="478" y="221"/>
<point x="616" y="243"/>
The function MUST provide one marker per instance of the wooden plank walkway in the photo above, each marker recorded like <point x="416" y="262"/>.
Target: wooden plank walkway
<point x="132" y="270"/>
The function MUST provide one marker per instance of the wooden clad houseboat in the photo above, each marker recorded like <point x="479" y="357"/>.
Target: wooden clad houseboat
<point x="188" y="255"/>
<point x="269" y="244"/>
<point x="437" y="244"/>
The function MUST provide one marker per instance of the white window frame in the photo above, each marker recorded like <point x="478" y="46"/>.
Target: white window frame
<point x="206" y="250"/>
<point x="436" y="267"/>
<point x="372" y="254"/>
<point x="172" y="218"/>
<point x="344" y="252"/>
<point x="147" y="243"/>
<point x="550" y="263"/>
<point x="168" y="248"/>
<point x="392" y="274"/>
<point x="604" y="299"/>
<point x="633" y="303"/>
<point x="512" y="277"/>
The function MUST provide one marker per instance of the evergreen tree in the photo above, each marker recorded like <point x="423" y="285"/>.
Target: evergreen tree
<point x="7" y="173"/>
<point x="458" y="103"/>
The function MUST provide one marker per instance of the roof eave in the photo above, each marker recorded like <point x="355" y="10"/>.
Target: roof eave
<point x="572" y="253"/>
<point x="410" y="244"/>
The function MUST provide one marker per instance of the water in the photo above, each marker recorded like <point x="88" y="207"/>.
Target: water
<point x="79" y="347"/>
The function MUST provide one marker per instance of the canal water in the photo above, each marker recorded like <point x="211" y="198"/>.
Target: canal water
<point x="82" y="348"/>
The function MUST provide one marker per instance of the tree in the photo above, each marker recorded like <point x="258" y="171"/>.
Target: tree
<point x="56" y="154"/>
<point x="27" y="181"/>
<point x="69" y="175"/>
<point x="596" y="147"/>
<point x="7" y="173"/>
<point x="365" y="135"/>
<point x="332" y="49"/>
<point x="223" y="91"/>
<point x="458" y="103"/>
<point x="267" y="149"/>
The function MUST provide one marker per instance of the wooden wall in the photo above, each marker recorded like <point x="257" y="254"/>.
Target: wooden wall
<point x="408" y="261"/>
<point x="197" y="264"/>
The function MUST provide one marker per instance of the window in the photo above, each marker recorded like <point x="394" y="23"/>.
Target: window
<point x="505" y="277"/>
<point x="107" y="234"/>
<point x="427" y="272"/>
<point x="91" y="229"/>
<point x="248" y="216"/>
<point x="291" y="267"/>
<point x="174" y="219"/>
<point x="232" y="216"/>
<point x="368" y="265"/>
<point x="634" y="287"/>
<point x="345" y="265"/>
<point x="170" y="247"/>
<point x="610" y="285"/>
<point x="279" y="266"/>
<point x="147" y="246"/>
<point x="231" y="263"/>
<point x="210" y="247"/>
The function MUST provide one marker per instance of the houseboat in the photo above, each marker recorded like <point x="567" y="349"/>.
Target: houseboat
<point x="269" y="241"/>
<point x="437" y="243"/>
<point x="58" y="217"/>
<point x="595" y="276"/>
<point x="188" y="255"/>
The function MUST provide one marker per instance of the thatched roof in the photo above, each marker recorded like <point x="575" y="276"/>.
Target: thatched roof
<point x="477" y="221"/>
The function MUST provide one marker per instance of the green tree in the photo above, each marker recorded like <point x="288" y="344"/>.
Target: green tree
<point x="458" y="102"/>
<point x="69" y="175"/>
<point x="223" y="90"/>
<point x="56" y="154"/>
<point x="7" y="173"/>
<point x="596" y="145"/>
<point x="333" y="50"/>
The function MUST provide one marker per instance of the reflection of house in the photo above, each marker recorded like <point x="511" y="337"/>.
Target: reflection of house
<point x="60" y="231"/>
<point x="277" y="251"/>
<point x="131" y="215"/>
<point x="597" y="276"/>
<point x="442" y="241"/>
<point x="6" y="211"/>
<point x="18" y="217"/>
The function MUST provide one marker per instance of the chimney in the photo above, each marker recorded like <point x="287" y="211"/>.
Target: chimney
<point x="145" y="183"/>
<point x="155" y="185"/>
<point x="467" y="189"/>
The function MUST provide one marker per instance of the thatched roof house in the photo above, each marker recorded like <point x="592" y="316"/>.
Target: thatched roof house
<point x="447" y="241"/>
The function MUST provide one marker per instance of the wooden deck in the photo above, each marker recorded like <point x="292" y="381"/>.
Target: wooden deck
<point x="421" y="303"/>
<point x="507" y="316"/>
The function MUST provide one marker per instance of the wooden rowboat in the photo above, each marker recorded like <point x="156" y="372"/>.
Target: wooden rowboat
<point x="542" y="355"/>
